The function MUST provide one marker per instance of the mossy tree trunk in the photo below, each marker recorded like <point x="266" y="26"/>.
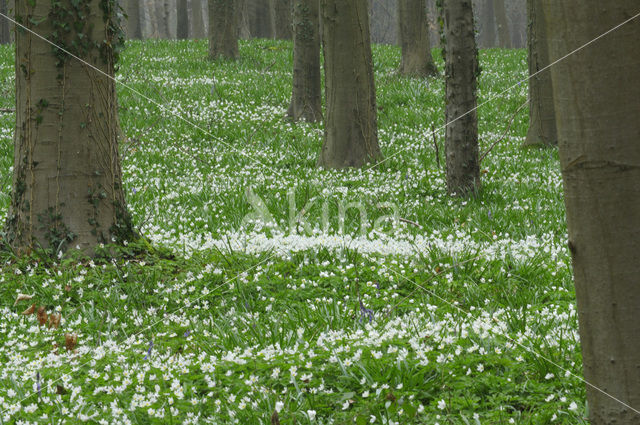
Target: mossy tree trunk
<point x="182" y="27"/>
<point x="67" y="184"/>
<point x="223" y="29"/>
<point x="461" y="69"/>
<point x="282" y="14"/>
<point x="597" y="101"/>
<point x="351" y="134"/>
<point x="542" y="118"/>
<point x="306" y="98"/>
<point x="414" y="39"/>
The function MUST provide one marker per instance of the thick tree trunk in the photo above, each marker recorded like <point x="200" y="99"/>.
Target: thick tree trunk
<point x="461" y="69"/>
<point x="197" y="17"/>
<point x="414" y="39"/>
<point x="223" y="29"/>
<point x="597" y="100"/>
<point x="67" y="188"/>
<point x="542" y="118"/>
<point x="351" y="133"/>
<point x="5" y="24"/>
<point x="182" y="28"/>
<point x="282" y="16"/>
<point x="306" y="99"/>
<point x="504" y="37"/>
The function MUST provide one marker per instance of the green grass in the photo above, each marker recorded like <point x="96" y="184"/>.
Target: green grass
<point x="467" y="318"/>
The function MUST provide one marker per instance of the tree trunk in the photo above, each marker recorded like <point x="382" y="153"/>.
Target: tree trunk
<point x="542" y="118"/>
<point x="461" y="69"/>
<point x="414" y="39"/>
<point x="133" y="27"/>
<point x="306" y="99"/>
<point x="198" y="20"/>
<point x="260" y="12"/>
<point x="5" y="24"/>
<point x="223" y="29"/>
<point x="282" y="15"/>
<point x="351" y="134"/>
<point x="182" y="28"/>
<point x="597" y="99"/>
<point x="67" y="185"/>
<point x="488" y="26"/>
<point x="504" y="39"/>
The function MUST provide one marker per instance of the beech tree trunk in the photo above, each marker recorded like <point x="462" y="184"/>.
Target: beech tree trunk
<point x="597" y="99"/>
<point x="504" y="38"/>
<point x="197" y="17"/>
<point x="223" y="29"/>
<point x="414" y="39"/>
<point x="488" y="31"/>
<point x="261" y="15"/>
<point x="351" y="133"/>
<point x="133" y="27"/>
<point x="461" y="69"/>
<point x="162" y="18"/>
<point x="283" y="19"/>
<point x="306" y="99"/>
<point x="182" y="27"/>
<point x="67" y="184"/>
<point x="5" y="24"/>
<point x="542" y="118"/>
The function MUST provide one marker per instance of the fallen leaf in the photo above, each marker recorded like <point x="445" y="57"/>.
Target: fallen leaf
<point x="22" y="297"/>
<point x="70" y="341"/>
<point x="60" y="390"/>
<point x="30" y="310"/>
<point x="54" y="320"/>
<point x="275" y="419"/>
<point x="42" y="315"/>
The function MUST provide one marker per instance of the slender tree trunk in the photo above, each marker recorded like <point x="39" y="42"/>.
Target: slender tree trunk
<point x="282" y="15"/>
<point x="133" y="27"/>
<point x="306" y="99"/>
<point x="504" y="39"/>
<point x="542" y="118"/>
<point x="461" y="69"/>
<point x="599" y="145"/>
<point x="198" y="19"/>
<point x="414" y="39"/>
<point x="488" y="31"/>
<point x="223" y="29"/>
<point x="67" y="185"/>
<point x="351" y="133"/>
<point x="261" y="14"/>
<point x="5" y="25"/>
<point x="182" y="28"/>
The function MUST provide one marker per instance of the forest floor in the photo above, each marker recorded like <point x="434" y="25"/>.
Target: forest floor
<point x="358" y="296"/>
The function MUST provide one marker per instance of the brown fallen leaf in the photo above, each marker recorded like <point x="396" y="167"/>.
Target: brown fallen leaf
<point x="54" y="320"/>
<point x="42" y="315"/>
<point x="22" y="297"/>
<point x="30" y="310"/>
<point x="70" y="341"/>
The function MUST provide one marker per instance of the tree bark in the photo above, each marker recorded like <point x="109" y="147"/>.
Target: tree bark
<point x="414" y="39"/>
<point x="198" y="19"/>
<point x="488" y="26"/>
<point x="182" y="27"/>
<point x="223" y="29"/>
<point x="351" y="134"/>
<point x="504" y="38"/>
<point x="461" y="70"/>
<point x="5" y="24"/>
<point x="133" y="27"/>
<point x="306" y="98"/>
<point x="542" y="118"/>
<point x="161" y="19"/>
<point x="261" y="14"/>
<point x="597" y="103"/>
<point x="67" y="184"/>
<point x="282" y="15"/>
